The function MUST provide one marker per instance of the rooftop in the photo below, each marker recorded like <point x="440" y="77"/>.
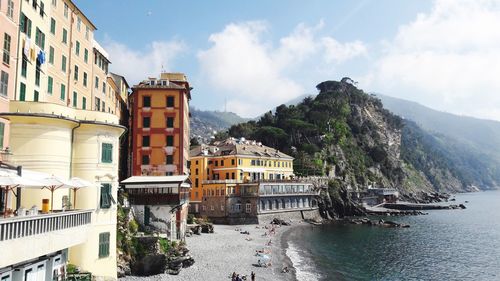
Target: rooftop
<point x="232" y="146"/>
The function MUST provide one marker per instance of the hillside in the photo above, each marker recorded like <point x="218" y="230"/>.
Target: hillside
<point x="481" y="135"/>
<point x="204" y="124"/>
<point x="468" y="146"/>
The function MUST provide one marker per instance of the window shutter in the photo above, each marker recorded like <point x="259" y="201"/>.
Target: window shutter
<point x="104" y="244"/>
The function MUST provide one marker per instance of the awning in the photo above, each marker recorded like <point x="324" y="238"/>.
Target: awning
<point x="157" y="182"/>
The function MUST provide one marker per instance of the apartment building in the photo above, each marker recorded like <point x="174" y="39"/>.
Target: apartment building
<point x="219" y="168"/>
<point x="9" y="20"/>
<point x="242" y="181"/>
<point x="57" y="127"/>
<point x="159" y="186"/>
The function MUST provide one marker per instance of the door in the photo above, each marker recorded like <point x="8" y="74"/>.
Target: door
<point x="147" y="215"/>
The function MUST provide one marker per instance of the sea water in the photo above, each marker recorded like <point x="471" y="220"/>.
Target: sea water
<point x="443" y="245"/>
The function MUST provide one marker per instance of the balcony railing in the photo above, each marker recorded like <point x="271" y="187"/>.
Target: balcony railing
<point x="18" y="227"/>
<point x="221" y="181"/>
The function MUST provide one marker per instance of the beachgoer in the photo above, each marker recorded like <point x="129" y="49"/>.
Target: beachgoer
<point x="252" y="276"/>
<point x="233" y="277"/>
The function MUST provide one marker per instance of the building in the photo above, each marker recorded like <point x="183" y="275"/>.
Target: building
<point x="122" y="110"/>
<point x="160" y="153"/>
<point x="57" y="127"/>
<point x="219" y="169"/>
<point x="9" y="15"/>
<point x="149" y="194"/>
<point x="160" y="126"/>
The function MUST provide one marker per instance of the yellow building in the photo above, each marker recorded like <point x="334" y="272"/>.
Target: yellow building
<point x="219" y="169"/>
<point x="64" y="120"/>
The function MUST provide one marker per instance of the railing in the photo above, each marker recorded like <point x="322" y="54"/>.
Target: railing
<point x="221" y="181"/>
<point x="290" y="193"/>
<point x="18" y="227"/>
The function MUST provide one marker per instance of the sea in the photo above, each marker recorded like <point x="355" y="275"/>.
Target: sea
<point x="443" y="245"/>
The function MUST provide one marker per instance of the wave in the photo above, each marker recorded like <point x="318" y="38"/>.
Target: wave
<point x="304" y="270"/>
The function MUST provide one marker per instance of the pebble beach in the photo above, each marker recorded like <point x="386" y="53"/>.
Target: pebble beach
<point x="217" y="255"/>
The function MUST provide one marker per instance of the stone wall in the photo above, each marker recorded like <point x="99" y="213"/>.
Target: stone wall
<point x="295" y="215"/>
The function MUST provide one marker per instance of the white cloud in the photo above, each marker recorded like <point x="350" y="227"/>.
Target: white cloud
<point x="448" y="59"/>
<point x="137" y="65"/>
<point x="256" y="76"/>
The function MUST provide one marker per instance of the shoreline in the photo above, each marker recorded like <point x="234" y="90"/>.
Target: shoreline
<point x="225" y="251"/>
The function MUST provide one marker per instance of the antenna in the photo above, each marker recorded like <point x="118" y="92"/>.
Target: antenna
<point x="162" y="69"/>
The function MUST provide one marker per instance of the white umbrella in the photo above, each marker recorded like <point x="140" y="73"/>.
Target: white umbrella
<point x="76" y="184"/>
<point x="11" y="180"/>
<point x="53" y="183"/>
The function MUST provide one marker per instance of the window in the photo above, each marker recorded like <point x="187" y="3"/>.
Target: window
<point x="170" y="159"/>
<point x="4" y="84"/>
<point x="232" y="162"/>
<point x="54" y="3"/>
<point x="240" y="162"/>
<point x="103" y="106"/>
<point x="170" y="141"/>
<point x="146" y="122"/>
<point x="97" y="82"/>
<point x="65" y="36"/>
<point x="78" y="24"/>
<point x="63" y="92"/>
<point x="86" y="56"/>
<point x="22" y="92"/>
<point x="51" y="55"/>
<point x="75" y="99"/>
<point x="170" y="122"/>
<point x="65" y="10"/>
<point x="103" y="87"/>
<point x="63" y="63"/>
<point x="87" y="31"/>
<point x="248" y="207"/>
<point x="77" y="48"/>
<point x="107" y="153"/>
<point x="50" y="85"/>
<point x="6" y="48"/>
<point x="145" y="141"/>
<point x="53" y="26"/>
<point x="222" y="162"/>
<point x="75" y="74"/>
<point x="196" y="182"/>
<point x="2" y="129"/>
<point x="145" y="159"/>
<point x="25" y="25"/>
<point x="36" y="95"/>
<point x="170" y="101"/>
<point x="34" y="4"/>
<point x="146" y="101"/>
<point x="216" y="163"/>
<point x="104" y="245"/>
<point x="42" y="8"/>
<point x="10" y="9"/>
<point x="97" y="104"/>
<point x="85" y="79"/>
<point x="40" y="38"/>
<point x="84" y="103"/>
<point x="37" y="76"/>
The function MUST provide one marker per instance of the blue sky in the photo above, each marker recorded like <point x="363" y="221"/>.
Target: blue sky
<point x="259" y="54"/>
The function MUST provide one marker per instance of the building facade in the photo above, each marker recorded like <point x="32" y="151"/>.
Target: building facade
<point x="9" y="20"/>
<point x="57" y="127"/>
<point x="160" y="126"/>
<point x="221" y="168"/>
<point x="160" y="153"/>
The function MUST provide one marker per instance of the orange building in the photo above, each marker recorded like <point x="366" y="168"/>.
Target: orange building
<point x="160" y="126"/>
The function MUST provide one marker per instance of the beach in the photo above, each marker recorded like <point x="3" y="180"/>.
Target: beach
<point x="219" y="254"/>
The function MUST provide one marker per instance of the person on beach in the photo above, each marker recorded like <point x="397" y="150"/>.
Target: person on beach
<point x="252" y="276"/>
<point x="233" y="277"/>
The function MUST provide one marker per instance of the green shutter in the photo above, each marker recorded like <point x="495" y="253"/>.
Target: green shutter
<point x="75" y="99"/>
<point x="50" y="84"/>
<point x="107" y="153"/>
<point x="84" y="103"/>
<point x="104" y="244"/>
<point x="22" y="92"/>
<point x="106" y="196"/>
<point x="2" y="129"/>
<point x="51" y="55"/>
<point x="63" y="92"/>
<point x="52" y="26"/>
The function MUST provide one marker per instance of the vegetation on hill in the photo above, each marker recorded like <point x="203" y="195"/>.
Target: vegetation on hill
<point x="346" y="133"/>
<point x="204" y="124"/>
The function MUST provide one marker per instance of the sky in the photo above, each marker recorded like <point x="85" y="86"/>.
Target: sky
<point x="251" y="56"/>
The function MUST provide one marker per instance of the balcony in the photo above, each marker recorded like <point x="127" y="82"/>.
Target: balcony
<point x="24" y="238"/>
<point x="222" y="181"/>
<point x="169" y="150"/>
<point x="159" y="199"/>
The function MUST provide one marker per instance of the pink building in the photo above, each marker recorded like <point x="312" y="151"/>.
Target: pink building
<point x="9" y="21"/>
